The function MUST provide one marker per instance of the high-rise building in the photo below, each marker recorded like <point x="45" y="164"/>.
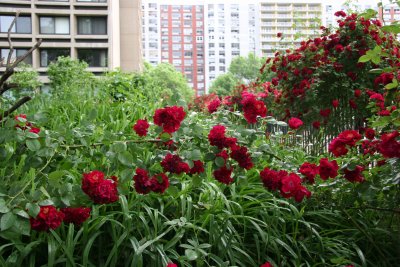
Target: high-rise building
<point x="356" y="6"/>
<point x="232" y="29"/>
<point x="200" y="38"/>
<point x="104" y="33"/>
<point x="296" y="20"/>
<point x="389" y="13"/>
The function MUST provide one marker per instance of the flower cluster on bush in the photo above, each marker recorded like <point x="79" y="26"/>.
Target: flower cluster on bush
<point x="23" y="124"/>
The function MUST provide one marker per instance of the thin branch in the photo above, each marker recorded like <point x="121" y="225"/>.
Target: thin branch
<point x="11" y="69"/>
<point x="116" y="142"/>
<point x="15" y="107"/>
<point x="9" y="39"/>
<point x="375" y="208"/>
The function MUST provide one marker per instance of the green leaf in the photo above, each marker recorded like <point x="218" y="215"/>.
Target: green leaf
<point x="392" y="85"/>
<point x="7" y="221"/>
<point x="209" y="156"/>
<point x="391" y="28"/>
<point x="191" y="254"/>
<point x="195" y="155"/>
<point x="364" y="58"/>
<point x="32" y="135"/>
<point x="219" y="161"/>
<point x="56" y="175"/>
<point x="33" y="144"/>
<point x="125" y="158"/>
<point x="118" y="147"/>
<point x="33" y="209"/>
<point x="23" y="226"/>
<point x="3" y="206"/>
<point x="165" y="136"/>
<point x="376" y="71"/>
<point x="21" y="213"/>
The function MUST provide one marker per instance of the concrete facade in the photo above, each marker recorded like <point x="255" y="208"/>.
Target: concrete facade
<point x="105" y="33"/>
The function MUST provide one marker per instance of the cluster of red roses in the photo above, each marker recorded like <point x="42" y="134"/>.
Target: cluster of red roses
<point x="240" y="154"/>
<point x="289" y="184"/>
<point x="169" y="118"/>
<point x="99" y="189"/>
<point x="296" y="85"/>
<point x="387" y="145"/>
<point x="51" y="218"/>
<point x="23" y="124"/>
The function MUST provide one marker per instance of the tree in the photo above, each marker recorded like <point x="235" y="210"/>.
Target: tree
<point x="165" y="77"/>
<point x="224" y="84"/>
<point x="246" y="68"/>
<point x="71" y="74"/>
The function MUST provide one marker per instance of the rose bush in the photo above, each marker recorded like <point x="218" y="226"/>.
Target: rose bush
<point x="189" y="188"/>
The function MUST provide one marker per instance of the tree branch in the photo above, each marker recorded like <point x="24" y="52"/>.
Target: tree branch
<point x="9" y="39"/>
<point x="116" y="142"/>
<point x="15" y="107"/>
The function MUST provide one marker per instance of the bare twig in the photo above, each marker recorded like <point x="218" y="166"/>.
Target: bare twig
<point x="9" y="38"/>
<point x="116" y="142"/>
<point x="15" y="107"/>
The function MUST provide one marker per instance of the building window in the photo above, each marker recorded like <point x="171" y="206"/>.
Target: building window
<point x="54" y="25"/>
<point x="49" y="55"/>
<point x="22" y="25"/>
<point x="18" y="52"/>
<point x="95" y="1"/>
<point x="93" y="57"/>
<point x="92" y="25"/>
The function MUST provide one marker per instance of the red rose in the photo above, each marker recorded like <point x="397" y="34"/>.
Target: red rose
<point x="370" y="133"/>
<point x="279" y="35"/>
<point x="335" y="103"/>
<point x="105" y="192"/>
<point x="301" y="193"/>
<point x="242" y="156"/>
<point x="142" y="181"/>
<point x="170" y="264"/>
<point x="100" y="190"/>
<point x="350" y="137"/>
<point x="267" y="264"/>
<point x="76" y="216"/>
<point x="340" y="14"/>
<point x="357" y="93"/>
<point x="295" y="123"/>
<point x="217" y="137"/>
<point x="48" y="218"/>
<point x="325" y="112"/>
<point x="174" y="164"/>
<point x="141" y="127"/>
<point x="389" y="146"/>
<point x="309" y="170"/>
<point x="159" y="183"/>
<point x="34" y="130"/>
<point x="290" y="184"/>
<point x="198" y="167"/>
<point x="338" y="147"/>
<point x="354" y="175"/>
<point x="352" y="104"/>
<point x="252" y="107"/>
<point x="271" y="179"/>
<point x="328" y="168"/>
<point x="316" y="124"/>
<point x="169" y="118"/>
<point x="90" y="180"/>
<point x="214" y="105"/>
<point x="223" y="175"/>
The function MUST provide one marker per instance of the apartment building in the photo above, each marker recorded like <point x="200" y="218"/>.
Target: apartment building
<point x="357" y="6"/>
<point x="104" y="33"/>
<point x="232" y="29"/>
<point x="296" y="20"/>
<point x="389" y="13"/>
<point x="200" y="38"/>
